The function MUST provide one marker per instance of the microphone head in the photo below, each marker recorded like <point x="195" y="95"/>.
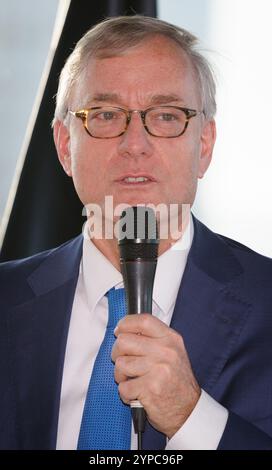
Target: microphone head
<point x="138" y="235"/>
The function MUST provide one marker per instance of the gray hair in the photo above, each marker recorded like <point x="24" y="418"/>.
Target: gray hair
<point x="115" y="36"/>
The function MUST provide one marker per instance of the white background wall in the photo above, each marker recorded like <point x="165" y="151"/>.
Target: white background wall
<point x="235" y="196"/>
<point x="25" y="37"/>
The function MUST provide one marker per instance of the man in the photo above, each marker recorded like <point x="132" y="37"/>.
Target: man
<point x="135" y="120"/>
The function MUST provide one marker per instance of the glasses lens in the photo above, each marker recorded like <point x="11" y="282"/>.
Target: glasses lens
<point x="166" y="121"/>
<point x="106" y="122"/>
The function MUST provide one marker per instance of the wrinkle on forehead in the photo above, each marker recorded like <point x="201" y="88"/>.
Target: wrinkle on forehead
<point x="134" y="66"/>
<point x="116" y="98"/>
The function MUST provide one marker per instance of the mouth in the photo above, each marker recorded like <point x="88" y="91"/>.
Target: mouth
<point x="136" y="180"/>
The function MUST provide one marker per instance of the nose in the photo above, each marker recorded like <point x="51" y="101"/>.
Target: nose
<point x="135" y="142"/>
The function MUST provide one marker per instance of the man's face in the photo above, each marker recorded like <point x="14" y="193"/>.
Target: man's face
<point x="154" y="73"/>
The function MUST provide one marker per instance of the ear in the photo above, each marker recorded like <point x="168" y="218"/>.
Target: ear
<point x="208" y="137"/>
<point x="62" y="143"/>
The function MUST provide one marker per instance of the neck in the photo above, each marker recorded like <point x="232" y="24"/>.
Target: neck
<point x="110" y="249"/>
<point x="109" y="246"/>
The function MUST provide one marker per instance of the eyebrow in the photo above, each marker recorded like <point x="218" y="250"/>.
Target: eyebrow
<point x="155" y="99"/>
<point x="165" y="99"/>
<point x="106" y="97"/>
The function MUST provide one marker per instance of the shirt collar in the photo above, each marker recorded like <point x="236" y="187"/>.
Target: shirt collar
<point x="99" y="275"/>
<point x="170" y="269"/>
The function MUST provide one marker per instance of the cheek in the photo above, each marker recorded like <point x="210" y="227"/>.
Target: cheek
<point x="87" y="174"/>
<point x="181" y="170"/>
<point x="83" y="156"/>
<point x="182" y="161"/>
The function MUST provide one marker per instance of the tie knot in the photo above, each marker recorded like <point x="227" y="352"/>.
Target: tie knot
<point x="117" y="306"/>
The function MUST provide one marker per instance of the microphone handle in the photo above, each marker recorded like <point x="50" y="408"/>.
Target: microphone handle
<point x="138" y="278"/>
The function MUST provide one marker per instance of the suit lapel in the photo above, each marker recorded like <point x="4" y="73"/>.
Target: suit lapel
<point x="38" y="333"/>
<point x="210" y="311"/>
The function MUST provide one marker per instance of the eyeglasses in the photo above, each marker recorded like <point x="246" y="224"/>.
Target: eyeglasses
<point x="110" y="121"/>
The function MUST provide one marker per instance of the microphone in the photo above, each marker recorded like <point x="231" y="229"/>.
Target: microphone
<point x="138" y="245"/>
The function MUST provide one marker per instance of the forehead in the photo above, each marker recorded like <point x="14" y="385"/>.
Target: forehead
<point x="157" y="66"/>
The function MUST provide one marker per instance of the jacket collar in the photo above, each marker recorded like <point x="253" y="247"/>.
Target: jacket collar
<point x="60" y="266"/>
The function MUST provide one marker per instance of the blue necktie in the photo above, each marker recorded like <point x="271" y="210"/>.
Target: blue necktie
<point x="106" y="420"/>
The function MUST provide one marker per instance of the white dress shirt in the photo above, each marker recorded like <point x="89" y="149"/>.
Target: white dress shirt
<point x="204" y="427"/>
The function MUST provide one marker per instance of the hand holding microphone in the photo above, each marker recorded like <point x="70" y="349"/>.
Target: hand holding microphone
<point x="152" y="366"/>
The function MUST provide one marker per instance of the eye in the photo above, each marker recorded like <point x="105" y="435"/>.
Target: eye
<point x="106" y="115"/>
<point x="167" y="117"/>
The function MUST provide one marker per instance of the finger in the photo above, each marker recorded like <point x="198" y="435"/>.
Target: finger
<point x="129" y="344"/>
<point x="119" y="377"/>
<point x="144" y="324"/>
<point x="131" y="390"/>
<point x="128" y="367"/>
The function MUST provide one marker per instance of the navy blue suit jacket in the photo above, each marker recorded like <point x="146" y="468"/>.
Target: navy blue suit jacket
<point x="223" y="311"/>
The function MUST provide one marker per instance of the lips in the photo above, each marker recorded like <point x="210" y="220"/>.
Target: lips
<point x="136" y="179"/>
